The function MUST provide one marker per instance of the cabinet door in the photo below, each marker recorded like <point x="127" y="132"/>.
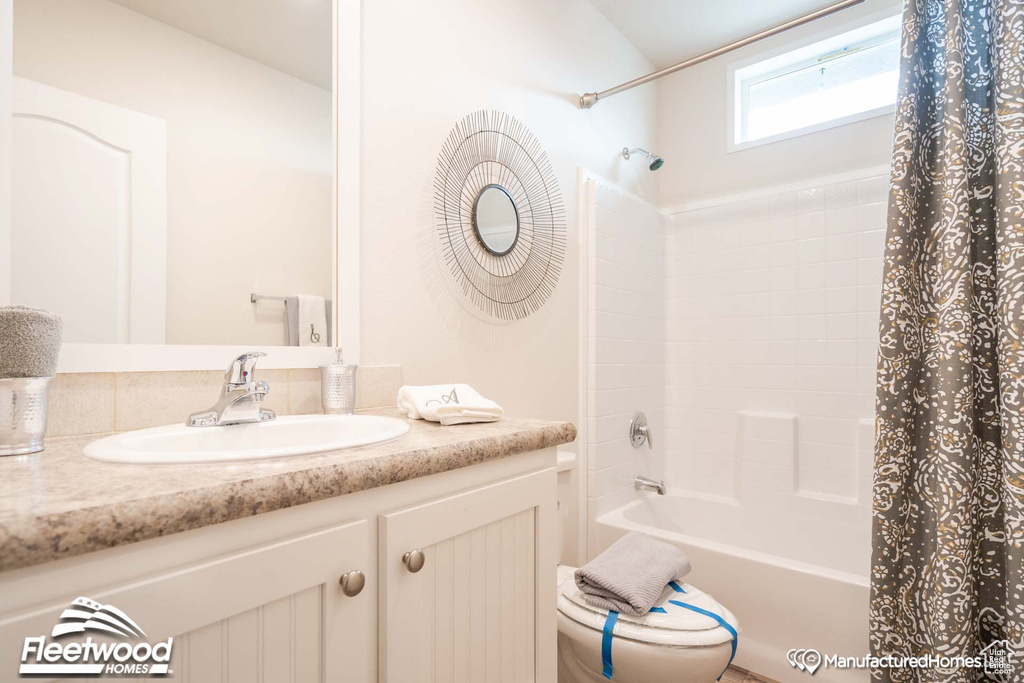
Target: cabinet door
<point x="482" y="607"/>
<point x="272" y="613"/>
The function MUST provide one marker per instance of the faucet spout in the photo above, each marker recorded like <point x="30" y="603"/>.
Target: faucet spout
<point x="642" y="483"/>
<point x="241" y="398"/>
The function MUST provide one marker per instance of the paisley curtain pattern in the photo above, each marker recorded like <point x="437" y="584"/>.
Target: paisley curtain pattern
<point x="948" y="526"/>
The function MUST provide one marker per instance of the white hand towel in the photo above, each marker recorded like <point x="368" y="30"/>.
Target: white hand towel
<point x="291" y="319"/>
<point x="312" y="320"/>
<point x="449" y="404"/>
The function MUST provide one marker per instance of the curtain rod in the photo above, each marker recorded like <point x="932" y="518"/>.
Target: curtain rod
<point x="589" y="99"/>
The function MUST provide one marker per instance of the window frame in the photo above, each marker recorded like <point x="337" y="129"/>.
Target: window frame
<point x="831" y="40"/>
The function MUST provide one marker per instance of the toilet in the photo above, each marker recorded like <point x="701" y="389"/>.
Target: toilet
<point x="678" y="645"/>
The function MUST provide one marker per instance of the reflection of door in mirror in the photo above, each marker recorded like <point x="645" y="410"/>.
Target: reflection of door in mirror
<point x="232" y="101"/>
<point x="89" y="215"/>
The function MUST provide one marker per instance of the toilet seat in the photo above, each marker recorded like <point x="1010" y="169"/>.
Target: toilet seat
<point x="678" y="627"/>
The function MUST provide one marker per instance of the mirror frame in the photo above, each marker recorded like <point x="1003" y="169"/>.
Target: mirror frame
<point x="476" y="225"/>
<point x="345" y="243"/>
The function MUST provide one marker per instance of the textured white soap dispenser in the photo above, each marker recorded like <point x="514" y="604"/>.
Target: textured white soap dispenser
<point x="338" y="386"/>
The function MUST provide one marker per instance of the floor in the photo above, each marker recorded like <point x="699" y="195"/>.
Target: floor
<point x="735" y="674"/>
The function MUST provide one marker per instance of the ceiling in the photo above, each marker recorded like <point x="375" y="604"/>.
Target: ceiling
<point x="292" y="36"/>
<point x="670" y="31"/>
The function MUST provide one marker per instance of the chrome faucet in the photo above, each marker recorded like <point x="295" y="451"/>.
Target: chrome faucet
<point x="241" y="398"/>
<point x="639" y="431"/>
<point x="642" y="483"/>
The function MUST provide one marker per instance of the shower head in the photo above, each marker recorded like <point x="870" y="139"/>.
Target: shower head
<point x="654" y="162"/>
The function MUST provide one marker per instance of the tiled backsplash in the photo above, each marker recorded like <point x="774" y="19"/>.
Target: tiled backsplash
<point x="95" y="403"/>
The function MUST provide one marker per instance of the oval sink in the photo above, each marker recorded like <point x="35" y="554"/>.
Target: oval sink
<point x="285" y="436"/>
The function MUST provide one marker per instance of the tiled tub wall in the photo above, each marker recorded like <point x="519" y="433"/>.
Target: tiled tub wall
<point x="94" y="403"/>
<point x="626" y="338"/>
<point x="772" y="318"/>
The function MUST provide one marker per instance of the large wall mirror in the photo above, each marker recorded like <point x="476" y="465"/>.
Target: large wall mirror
<point x="174" y="170"/>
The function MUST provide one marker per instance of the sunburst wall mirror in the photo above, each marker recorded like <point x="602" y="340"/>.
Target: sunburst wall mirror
<point x="500" y="215"/>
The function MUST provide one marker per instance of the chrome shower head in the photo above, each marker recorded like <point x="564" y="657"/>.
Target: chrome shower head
<point x="654" y="162"/>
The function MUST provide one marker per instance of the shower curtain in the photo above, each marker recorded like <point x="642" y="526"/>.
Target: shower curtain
<point x="948" y="527"/>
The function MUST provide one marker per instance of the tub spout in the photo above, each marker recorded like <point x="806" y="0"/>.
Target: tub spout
<point x="642" y="483"/>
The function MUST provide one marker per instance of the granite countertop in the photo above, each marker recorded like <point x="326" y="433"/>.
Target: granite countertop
<point x="58" y="504"/>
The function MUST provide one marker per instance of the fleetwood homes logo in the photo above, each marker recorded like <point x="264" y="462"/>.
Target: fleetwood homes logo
<point x="117" y="654"/>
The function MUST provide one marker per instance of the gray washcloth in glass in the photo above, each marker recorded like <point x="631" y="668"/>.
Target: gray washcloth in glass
<point x="630" y="576"/>
<point x="29" y="342"/>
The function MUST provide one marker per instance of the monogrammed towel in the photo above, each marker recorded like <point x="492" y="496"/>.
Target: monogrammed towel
<point x="449" y="404"/>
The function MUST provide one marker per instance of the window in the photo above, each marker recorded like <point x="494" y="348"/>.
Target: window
<point x="846" y="78"/>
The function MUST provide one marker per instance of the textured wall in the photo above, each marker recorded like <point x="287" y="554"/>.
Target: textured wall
<point x="692" y="126"/>
<point x="425" y="66"/>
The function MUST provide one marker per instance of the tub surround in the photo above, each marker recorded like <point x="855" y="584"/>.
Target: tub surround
<point x="58" y="504"/>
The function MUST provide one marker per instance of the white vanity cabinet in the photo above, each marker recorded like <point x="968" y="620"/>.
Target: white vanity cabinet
<point x="260" y="599"/>
<point x="276" y="613"/>
<point x="460" y="596"/>
<point x="273" y="612"/>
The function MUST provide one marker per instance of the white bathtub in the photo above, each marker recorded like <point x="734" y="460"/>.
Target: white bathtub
<point x="781" y="603"/>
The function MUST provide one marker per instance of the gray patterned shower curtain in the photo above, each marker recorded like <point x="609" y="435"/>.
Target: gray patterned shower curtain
<point x="947" y="576"/>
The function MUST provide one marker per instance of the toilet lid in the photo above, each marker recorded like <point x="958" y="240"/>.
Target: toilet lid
<point x="676" y="626"/>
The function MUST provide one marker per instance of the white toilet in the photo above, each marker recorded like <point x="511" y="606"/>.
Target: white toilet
<point x="677" y="646"/>
<point x="680" y="645"/>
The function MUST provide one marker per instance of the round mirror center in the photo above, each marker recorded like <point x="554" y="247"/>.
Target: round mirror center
<point x="496" y="220"/>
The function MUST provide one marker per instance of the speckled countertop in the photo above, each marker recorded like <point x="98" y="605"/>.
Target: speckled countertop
<point x="58" y="504"/>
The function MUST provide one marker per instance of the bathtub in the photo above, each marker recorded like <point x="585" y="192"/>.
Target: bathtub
<point x="782" y="603"/>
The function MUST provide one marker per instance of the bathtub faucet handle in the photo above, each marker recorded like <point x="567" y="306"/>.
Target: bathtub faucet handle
<point x="639" y="432"/>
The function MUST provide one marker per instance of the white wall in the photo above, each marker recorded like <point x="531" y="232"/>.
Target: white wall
<point x="425" y="66"/>
<point x="6" y="12"/>
<point x="692" y="127"/>
<point x="249" y="159"/>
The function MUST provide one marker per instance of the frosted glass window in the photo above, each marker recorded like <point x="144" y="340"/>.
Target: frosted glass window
<point x="852" y="74"/>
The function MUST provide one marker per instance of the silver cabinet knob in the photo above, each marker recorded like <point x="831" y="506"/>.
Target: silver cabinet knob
<point x="414" y="560"/>
<point x="352" y="583"/>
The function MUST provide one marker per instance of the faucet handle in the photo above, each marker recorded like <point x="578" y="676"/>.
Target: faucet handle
<point x="240" y="372"/>
<point x="639" y="432"/>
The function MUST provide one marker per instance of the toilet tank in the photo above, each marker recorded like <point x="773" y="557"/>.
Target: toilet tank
<point x="568" y="512"/>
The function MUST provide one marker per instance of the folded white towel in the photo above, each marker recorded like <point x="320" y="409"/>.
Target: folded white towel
<point x="308" y="324"/>
<point x="449" y="404"/>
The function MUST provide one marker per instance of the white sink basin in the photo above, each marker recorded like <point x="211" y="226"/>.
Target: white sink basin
<point x="296" y="435"/>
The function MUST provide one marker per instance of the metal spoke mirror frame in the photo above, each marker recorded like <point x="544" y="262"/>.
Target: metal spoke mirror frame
<point x="486" y="149"/>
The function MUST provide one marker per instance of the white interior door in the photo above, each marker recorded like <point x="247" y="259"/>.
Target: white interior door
<point x="89" y="215"/>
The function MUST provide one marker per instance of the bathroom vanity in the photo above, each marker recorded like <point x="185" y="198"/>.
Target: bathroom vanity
<point x="431" y="556"/>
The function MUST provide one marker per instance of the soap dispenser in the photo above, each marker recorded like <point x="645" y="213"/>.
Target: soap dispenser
<point x="338" y="386"/>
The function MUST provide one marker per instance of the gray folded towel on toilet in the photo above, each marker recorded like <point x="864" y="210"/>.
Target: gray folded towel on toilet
<point x="29" y="342"/>
<point x="630" y="576"/>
